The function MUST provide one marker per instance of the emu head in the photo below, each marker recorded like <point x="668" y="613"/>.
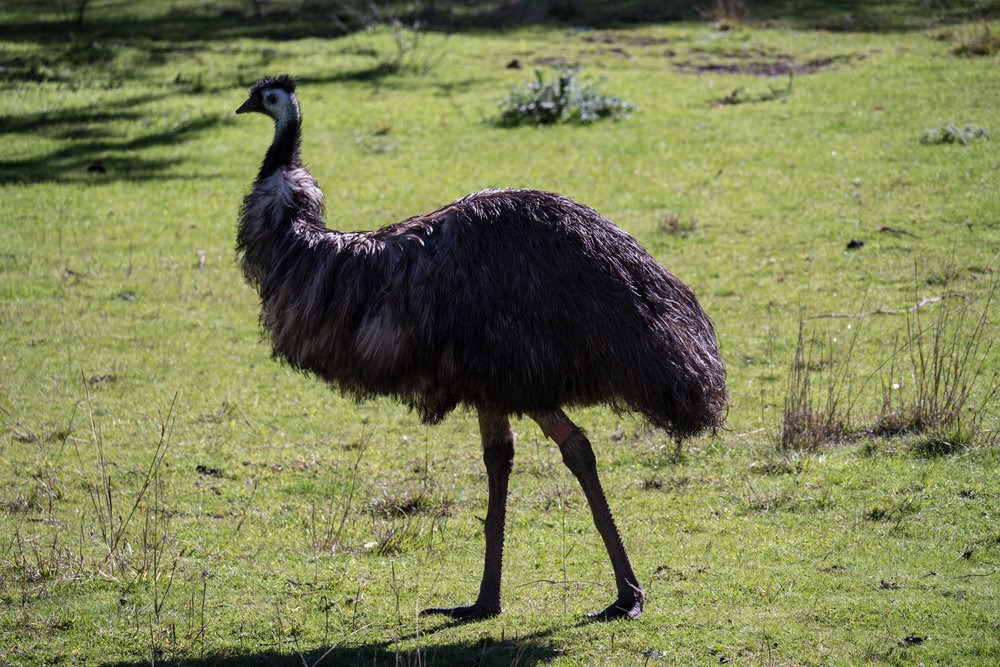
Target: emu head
<point x="273" y="96"/>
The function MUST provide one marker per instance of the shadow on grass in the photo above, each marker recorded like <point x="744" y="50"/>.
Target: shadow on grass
<point x="381" y="78"/>
<point x="65" y="122"/>
<point x="532" y="649"/>
<point x="288" y="19"/>
<point x="862" y="16"/>
<point x="88" y="151"/>
<point x="88" y="142"/>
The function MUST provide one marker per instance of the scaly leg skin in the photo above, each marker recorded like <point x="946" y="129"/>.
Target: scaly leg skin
<point x="498" y="455"/>
<point x="579" y="457"/>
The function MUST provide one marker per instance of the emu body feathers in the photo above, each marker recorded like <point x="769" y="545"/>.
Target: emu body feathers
<point x="514" y="300"/>
<point x="506" y="301"/>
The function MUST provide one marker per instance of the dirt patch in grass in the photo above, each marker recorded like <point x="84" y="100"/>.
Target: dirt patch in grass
<point x="552" y="61"/>
<point x="625" y="39"/>
<point x="779" y="66"/>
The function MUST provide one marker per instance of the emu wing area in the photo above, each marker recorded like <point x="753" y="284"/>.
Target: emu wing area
<point x="521" y="301"/>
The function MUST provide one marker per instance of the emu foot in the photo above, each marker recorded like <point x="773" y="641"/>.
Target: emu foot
<point x="472" y="612"/>
<point x="628" y="608"/>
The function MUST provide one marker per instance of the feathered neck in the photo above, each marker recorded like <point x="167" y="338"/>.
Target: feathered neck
<point x="285" y="149"/>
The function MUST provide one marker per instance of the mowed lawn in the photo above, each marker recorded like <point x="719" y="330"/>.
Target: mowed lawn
<point x="827" y="180"/>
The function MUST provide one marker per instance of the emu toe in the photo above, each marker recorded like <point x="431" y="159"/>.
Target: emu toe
<point x="627" y="609"/>
<point x="472" y="612"/>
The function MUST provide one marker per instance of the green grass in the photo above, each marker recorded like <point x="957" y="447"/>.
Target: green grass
<point x="170" y="494"/>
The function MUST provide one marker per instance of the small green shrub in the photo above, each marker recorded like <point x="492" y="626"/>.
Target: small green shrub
<point x="565" y="99"/>
<point x="953" y="134"/>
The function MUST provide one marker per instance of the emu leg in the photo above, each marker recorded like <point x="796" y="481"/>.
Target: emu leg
<point x="498" y="455"/>
<point x="579" y="457"/>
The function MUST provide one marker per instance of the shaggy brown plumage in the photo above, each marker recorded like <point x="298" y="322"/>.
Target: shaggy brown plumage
<point x="506" y="301"/>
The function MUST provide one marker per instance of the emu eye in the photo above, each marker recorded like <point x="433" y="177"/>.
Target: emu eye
<point x="271" y="98"/>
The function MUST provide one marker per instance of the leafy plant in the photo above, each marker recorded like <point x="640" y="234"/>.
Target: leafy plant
<point x="564" y="99"/>
<point x="953" y="134"/>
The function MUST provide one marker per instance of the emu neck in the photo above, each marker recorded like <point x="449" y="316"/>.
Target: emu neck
<point x="284" y="152"/>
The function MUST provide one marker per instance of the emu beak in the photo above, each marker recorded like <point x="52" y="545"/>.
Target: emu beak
<point x="252" y="104"/>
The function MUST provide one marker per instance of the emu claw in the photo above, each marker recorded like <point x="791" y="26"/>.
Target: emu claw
<point x="621" y="609"/>
<point x="472" y="612"/>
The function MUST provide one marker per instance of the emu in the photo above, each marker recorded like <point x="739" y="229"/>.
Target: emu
<point x="508" y="302"/>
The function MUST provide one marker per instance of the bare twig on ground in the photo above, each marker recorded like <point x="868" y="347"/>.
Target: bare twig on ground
<point x="925" y="301"/>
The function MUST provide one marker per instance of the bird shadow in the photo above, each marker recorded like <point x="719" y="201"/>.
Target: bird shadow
<point x="535" y="648"/>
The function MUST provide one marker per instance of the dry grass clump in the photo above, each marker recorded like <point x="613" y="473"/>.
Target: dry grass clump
<point x="935" y="387"/>
<point x="985" y="43"/>
<point x="812" y="419"/>
<point x="726" y="14"/>
<point x="674" y="225"/>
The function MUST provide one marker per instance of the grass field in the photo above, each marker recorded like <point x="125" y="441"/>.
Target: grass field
<point x="169" y="494"/>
